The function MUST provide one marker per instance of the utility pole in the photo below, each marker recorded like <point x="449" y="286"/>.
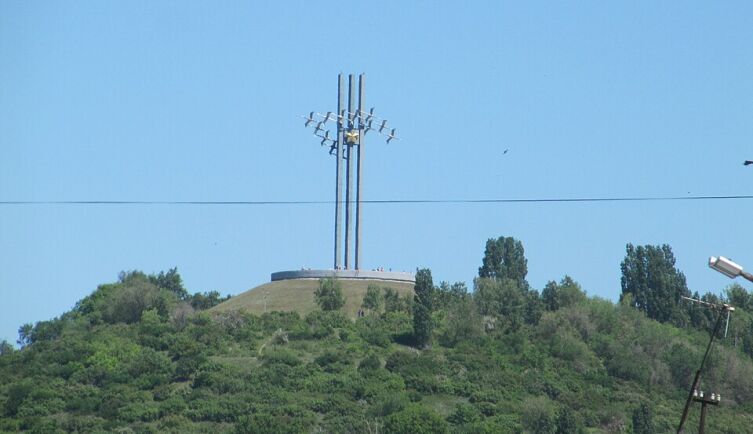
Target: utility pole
<point x="693" y="394"/>
<point x="713" y="400"/>
<point x="347" y="144"/>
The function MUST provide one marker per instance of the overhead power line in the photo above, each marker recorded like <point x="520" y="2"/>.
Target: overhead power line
<point x="378" y="201"/>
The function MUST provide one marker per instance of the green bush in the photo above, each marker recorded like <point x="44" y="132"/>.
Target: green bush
<point x="419" y="372"/>
<point x="280" y="420"/>
<point x="388" y="404"/>
<point x="334" y="361"/>
<point x="17" y="393"/>
<point x="281" y="357"/>
<point x="132" y="297"/>
<point x="538" y="415"/>
<point x="415" y="419"/>
<point x="329" y="295"/>
<point x="372" y="330"/>
<point x="464" y="414"/>
<point x="369" y="363"/>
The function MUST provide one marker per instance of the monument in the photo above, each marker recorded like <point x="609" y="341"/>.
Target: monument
<point x="346" y="144"/>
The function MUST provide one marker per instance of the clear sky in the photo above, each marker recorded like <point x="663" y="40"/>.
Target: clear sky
<point x="174" y="101"/>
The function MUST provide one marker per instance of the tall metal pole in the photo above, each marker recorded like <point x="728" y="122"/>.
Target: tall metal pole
<point x="338" y="168"/>
<point x="349" y="173"/>
<point x="361" y="140"/>
<point x="352" y="124"/>
<point x="697" y="377"/>
<point x="702" y="423"/>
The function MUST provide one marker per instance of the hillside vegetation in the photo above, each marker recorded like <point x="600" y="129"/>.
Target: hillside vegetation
<point x="141" y="355"/>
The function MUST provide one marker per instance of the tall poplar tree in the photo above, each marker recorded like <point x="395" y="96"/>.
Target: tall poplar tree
<point x="650" y="276"/>
<point x="422" y="308"/>
<point x="504" y="258"/>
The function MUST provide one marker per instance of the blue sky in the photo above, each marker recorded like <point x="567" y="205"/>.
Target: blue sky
<point x="202" y="101"/>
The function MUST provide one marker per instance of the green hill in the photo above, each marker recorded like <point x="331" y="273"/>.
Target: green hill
<point x="298" y="296"/>
<point x="142" y="356"/>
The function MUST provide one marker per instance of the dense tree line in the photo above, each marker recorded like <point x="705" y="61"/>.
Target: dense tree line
<point x="141" y="355"/>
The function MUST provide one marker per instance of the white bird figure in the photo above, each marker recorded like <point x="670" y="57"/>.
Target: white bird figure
<point x="325" y="138"/>
<point x="310" y="119"/>
<point x="369" y="115"/>
<point x="391" y="135"/>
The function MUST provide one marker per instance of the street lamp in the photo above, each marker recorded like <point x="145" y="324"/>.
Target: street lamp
<point x="731" y="270"/>
<point x="728" y="268"/>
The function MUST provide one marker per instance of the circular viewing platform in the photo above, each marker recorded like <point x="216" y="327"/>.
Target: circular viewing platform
<point x="394" y="276"/>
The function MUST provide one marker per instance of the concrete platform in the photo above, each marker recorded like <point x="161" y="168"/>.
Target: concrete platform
<point x="394" y="276"/>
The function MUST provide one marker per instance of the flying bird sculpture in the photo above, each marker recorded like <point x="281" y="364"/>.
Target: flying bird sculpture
<point x="391" y="135"/>
<point x="309" y="119"/>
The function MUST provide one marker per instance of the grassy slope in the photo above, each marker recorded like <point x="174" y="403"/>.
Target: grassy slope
<point x="298" y="295"/>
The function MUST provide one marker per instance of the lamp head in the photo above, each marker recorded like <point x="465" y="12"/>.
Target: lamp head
<point x="725" y="266"/>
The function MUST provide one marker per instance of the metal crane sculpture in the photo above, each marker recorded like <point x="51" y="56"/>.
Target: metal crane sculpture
<point x="352" y="125"/>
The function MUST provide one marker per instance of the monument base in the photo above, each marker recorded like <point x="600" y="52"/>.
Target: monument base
<point x="394" y="276"/>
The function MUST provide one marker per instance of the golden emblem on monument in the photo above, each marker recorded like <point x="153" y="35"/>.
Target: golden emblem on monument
<point x="351" y="137"/>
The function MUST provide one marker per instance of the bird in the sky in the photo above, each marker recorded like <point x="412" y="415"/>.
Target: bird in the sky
<point x="748" y="162"/>
<point x="503" y="153"/>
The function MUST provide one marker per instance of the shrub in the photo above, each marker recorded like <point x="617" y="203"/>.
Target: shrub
<point x="372" y="330"/>
<point x="463" y="323"/>
<point x="279" y="420"/>
<point x="538" y="415"/>
<point x="373" y="299"/>
<point x="333" y="361"/>
<point x="329" y="295"/>
<point x="132" y="297"/>
<point x="321" y="324"/>
<point x="281" y="357"/>
<point x="263" y="423"/>
<point x="17" y="393"/>
<point x="388" y="404"/>
<point x="464" y="414"/>
<point x="370" y="363"/>
<point x="392" y="301"/>
<point x="415" y="420"/>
